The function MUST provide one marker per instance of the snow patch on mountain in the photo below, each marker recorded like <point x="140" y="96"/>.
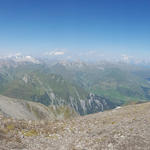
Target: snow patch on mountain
<point x="18" y="57"/>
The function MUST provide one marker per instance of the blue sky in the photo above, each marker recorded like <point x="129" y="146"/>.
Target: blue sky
<point x="112" y="27"/>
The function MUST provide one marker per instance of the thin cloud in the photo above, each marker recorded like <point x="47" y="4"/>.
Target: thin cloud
<point x="55" y="52"/>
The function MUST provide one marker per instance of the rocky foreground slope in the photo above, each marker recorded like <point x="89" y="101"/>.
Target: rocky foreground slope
<point x="126" y="128"/>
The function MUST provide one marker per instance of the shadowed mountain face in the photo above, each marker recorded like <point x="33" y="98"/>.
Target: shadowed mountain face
<point x="87" y="88"/>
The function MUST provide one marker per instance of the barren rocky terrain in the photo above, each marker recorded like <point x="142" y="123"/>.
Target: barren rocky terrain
<point x="123" y="128"/>
<point x="27" y="110"/>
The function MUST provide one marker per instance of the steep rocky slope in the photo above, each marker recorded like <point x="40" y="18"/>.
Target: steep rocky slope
<point x="37" y="83"/>
<point x="123" y="128"/>
<point x="21" y="109"/>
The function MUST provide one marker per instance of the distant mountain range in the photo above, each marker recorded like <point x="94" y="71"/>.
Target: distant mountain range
<point x="62" y="55"/>
<point x="86" y="87"/>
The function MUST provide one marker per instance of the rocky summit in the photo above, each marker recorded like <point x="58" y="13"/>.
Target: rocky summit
<point x="123" y="128"/>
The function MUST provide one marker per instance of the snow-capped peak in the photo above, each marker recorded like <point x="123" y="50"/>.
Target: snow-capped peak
<point x="18" y="57"/>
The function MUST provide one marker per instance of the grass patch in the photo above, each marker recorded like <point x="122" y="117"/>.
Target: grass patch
<point x="30" y="133"/>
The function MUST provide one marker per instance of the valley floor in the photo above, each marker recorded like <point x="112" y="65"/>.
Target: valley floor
<point x="126" y="128"/>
